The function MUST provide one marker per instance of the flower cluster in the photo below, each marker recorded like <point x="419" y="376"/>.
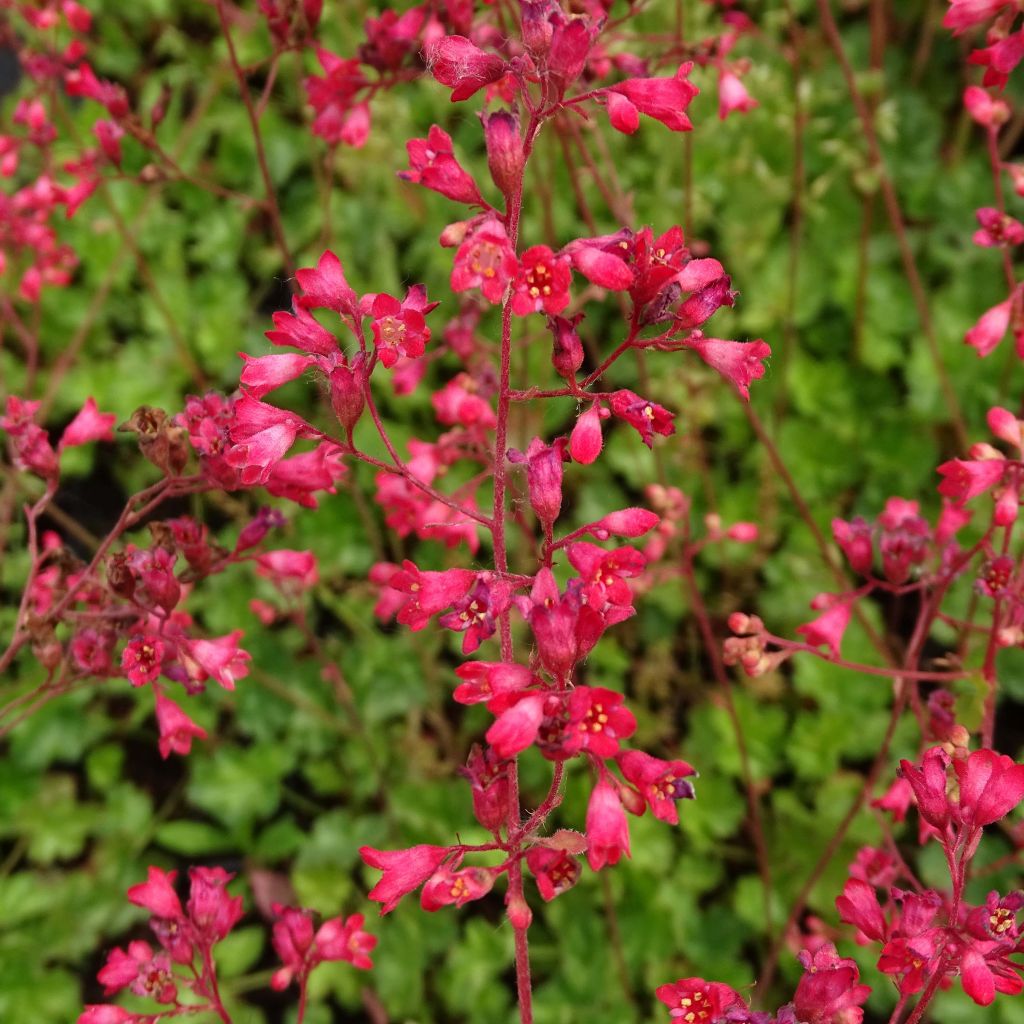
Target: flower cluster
<point x="187" y="935"/>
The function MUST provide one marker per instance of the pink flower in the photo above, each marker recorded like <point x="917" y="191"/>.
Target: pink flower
<point x="88" y="425"/>
<point x="647" y="418"/>
<point x="597" y="722"/>
<point x="964" y="14"/>
<point x="139" y="969"/>
<point x="542" y="282"/>
<point x="556" y="871"/>
<point x="433" y="165"/>
<point x="710" y="999"/>
<point x="141" y="660"/>
<point x="607" y="829"/>
<point x="157" y="894"/>
<point x="262" y="436"/>
<point x="986" y="110"/>
<point x="332" y="97"/>
<point x="476" y="615"/>
<point x="455" y="888"/>
<point x="106" y="1014"/>
<point x="404" y="871"/>
<point x="854" y="537"/>
<point x="991" y="785"/>
<point x="990" y="329"/>
<point x="732" y="95"/>
<point x="828" y="628"/>
<point x="399" y="328"/>
<point x="603" y="268"/>
<point x="220" y="659"/>
<point x="604" y="573"/>
<point x="627" y="522"/>
<point x="997" y="229"/>
<point x="517" y="728"/>
<point x="965" y="479"/>
<point x="828" y="990"/>
<point x="485" y="680"/>
<point x="265" y="373"/>
<point x="661" y="783"/>
<point x="859" y="906"/>
<point x="212" y="911"/>
<point x="429" y="592"/>
<point x="288" y="567"/>
<point x="459" y="402"/>
<point x="325" y="287"/>
<point x="462" y="66"/>
<point x="177" y="730"/>
<point x="740" y="362"/>
<point x="664" y="99"/>
<point x="485" y="260"/>
<point x="929" y="785"/>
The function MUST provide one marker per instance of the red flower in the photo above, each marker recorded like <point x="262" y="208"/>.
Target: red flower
<point x="429" y="592"/>
<point x="739" y="362"/>
<point x="542" y="283"/>
<point x="332" y="98"/>
<point x="404" y="871"/>
<point x="300" y="950"/>
<point x="966" y="479"/>
<point x="604" y="573"/>
<point x="991" y="785"/>
<point x="859" y="906"/>
<point x="485" y="260"/>
<point x="828" y="990"/>
<point x="556" y="871"/>
<point x="433" y="165"/>
<point x="211" y="910"/>
<point x="597" y="722"/>
<point x="647" y="418"/>
<point x="829" y="627"/>
<point x="142" y="659"/>
<point x="398" y="327"/>
<point x="177" y="730"/>
<point x="517" y="727"/>
<point x="486" y="680"/>
<point x="664" y="99"/>
<point x="88" y="425"/>
<point x="325" y="287"/>
<point x="140" y="970"/>
<point x="929" y="785"/>
<point x="476" y="615"/>
<point x="986" y="334"/>
<point x="705" y="1001"/>
<point x="157" y="894"/>
<point x="607" y="829"/>
<point x="732" y="95"/>
<point x="447" y="887"/>
<point x="661" y="783"/>
<point x="462" y="66"/>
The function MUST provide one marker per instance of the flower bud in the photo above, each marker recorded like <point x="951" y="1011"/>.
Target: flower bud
<point x="505" y="157"/>
<point x="566" y="347"/>
<point x="519" y="913"/>
<point x="347" y="398"/>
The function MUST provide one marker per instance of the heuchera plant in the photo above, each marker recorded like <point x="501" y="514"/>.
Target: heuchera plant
<point x="531" y="597"/>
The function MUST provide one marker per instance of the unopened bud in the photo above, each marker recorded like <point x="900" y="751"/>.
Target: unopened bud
<point x="505" y="157"/>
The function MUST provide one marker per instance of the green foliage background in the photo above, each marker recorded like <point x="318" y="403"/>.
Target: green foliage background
<point x="302" y="772"/>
